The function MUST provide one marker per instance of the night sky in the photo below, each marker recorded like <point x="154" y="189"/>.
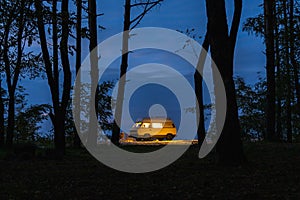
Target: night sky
<point x="175" y="15"/>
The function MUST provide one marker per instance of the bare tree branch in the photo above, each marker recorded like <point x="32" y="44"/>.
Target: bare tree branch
<point x="142" y="4"/>
<point x="86" y="9"/>
<point x="148" y="6"/>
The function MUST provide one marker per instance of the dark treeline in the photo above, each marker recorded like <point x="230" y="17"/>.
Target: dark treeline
<point x="49" y="25"/>
<point x="268" y="110"/>
<point x="278" y="24"/>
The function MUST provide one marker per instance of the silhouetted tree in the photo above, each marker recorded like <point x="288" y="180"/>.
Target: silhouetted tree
<point x="270" y="67"/>
<point x="103" y="106"/>
<point x="18" y="32"/>
<point x="59" y="104"/>
<point x="128" y="25"/>
<point x="251" y="101"/>
<point x="198" y="80"/>
<point x="1" y="117"/>
<point x="92" y="19"/>
<point x="285" y="18"/>
<point x="222" y="44"/>
<point x="288" y="72"/>
<point x="293" y="31"/>
<point x="28" y="122"/>
<point x="278" y="76"/>
<point x="78" y="64"/>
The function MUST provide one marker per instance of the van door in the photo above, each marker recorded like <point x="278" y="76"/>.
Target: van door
<point x="157" y="128"/>
<point x="145" y="128"/>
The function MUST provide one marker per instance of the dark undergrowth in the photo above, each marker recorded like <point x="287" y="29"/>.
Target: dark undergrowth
<point x="273" y="172"/>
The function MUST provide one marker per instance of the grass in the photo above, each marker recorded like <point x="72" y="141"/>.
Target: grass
<point x="272" y="173"/>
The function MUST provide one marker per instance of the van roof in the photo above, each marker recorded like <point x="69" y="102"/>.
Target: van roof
<point x="157" y="119"/>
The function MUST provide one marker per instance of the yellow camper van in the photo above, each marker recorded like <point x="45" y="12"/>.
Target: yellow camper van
<point x="153" y="128"/>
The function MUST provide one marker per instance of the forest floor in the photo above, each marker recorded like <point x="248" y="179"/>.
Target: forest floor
<point x="273" y="172"/>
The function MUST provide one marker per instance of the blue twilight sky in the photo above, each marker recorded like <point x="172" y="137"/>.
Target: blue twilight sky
<point x="175" y="15"/>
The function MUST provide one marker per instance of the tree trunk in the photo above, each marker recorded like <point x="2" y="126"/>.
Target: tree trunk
<point x="48" y="65"/>
<point x="78" y="64"/>
<point x="9" y="130"/>
<point x="55" y="47"/>
<point x="287" y="64"/>
<point x="10" y="120"/>
<point x="57" y="132"/>
<point x="229" y="147"/>
<point x="127" y="26"/>
<point x="12" y="78"/>
<point x="59" y="139"/>
<point x="58" y="118"/>
<point x="92" y="17"/>
<point x="279" y="81"/>
<point x="270" y="68"/>
<point x="123" y="69"/>
<point x="64" y="52"/>
<point x="293" y="56"/>
<point x="1" y="117"/>
<point x="199" y="91"/>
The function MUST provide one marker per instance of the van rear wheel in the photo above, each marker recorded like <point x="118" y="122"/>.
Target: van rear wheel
<point x="169" y="136"/>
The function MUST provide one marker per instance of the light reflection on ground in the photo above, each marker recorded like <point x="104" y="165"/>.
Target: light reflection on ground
<point x="157" y="142"/>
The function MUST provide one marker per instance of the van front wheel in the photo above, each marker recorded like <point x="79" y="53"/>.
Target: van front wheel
<point x="169" y="136"/>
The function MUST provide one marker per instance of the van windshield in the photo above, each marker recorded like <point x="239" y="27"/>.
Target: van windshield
<point x="137" y="125"/>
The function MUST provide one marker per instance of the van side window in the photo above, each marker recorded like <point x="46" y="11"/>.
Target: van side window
<point x="145" y="125"/>
<point x="173" y="125"/>
<point x="157" y="125"/>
